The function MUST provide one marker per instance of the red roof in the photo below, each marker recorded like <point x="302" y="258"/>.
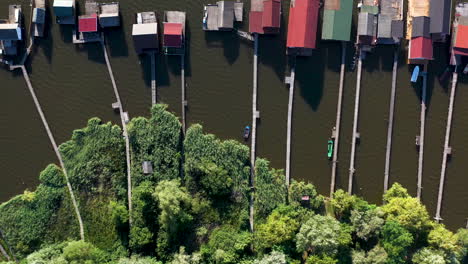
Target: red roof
<point x="302" y="27"/>
<point x="421" y="48"/>
<point x="462" y="37"/>
<point x="173" y="34"/>
<point x="271" y="14"/>
<point x="255" y="22"/>
<point x="88" y="23"/>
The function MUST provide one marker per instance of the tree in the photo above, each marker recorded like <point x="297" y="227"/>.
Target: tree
<point x="80" y="252"/>
<point x="183" y="258"/>
<point x="298" y="189"/>
<point x="214" y="179"/>
<point x="408" y="212"/>
<point x="441" y="238"/>
<point x="375" y="256"/>
<point x="367" y="224"/>
<point x="320" y="234"/>
<point x="321" y="259"/>
<point x="138" y="260"/>
<point x="274" y="257"/>
<point x="343" y="203"/>
<point x="396" y="191"/>
<point x="429" y="256"/>
<point x="226" y="245"/>
<point x="270" y="188"/>
<point x="396" y="240"/>
<point x="462" y="241"/>
<point x="279" y="228"/>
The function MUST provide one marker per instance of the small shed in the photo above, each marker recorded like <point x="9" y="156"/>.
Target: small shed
<point x="225" y="15"/>
<point x="173" y="35"/>
<point x="88" y="23"/>
<point x="440" y="14"/>
<point x="421" y="27"/>
<point x="302" y="27"/>
<point x="109" y="15"/>
<point x="147" y="167"/>
<point x="366" y="25"/>
<point x="39" y="15"/>
<point x="384" y="27"/>
<point x="145" y="35"/>
<point x="10" y="32"/>
<point x="222" y="15"/>
<point x="64" y="8"/>
<point x="265" y="17"/>
<point x="421" y="49"/>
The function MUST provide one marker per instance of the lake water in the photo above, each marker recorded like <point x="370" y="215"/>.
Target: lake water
<point x="73" y="85"/>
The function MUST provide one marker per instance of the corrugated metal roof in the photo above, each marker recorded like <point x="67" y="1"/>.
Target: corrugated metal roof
<point x="145" y="29"/>
<point x="88" y="23"/>
<point x="337" y="23"/>
<point x="255" y="22"/>
<point x="63" y="8"/>
<point x="63" y="3"/>
<point x="226" y="14"/>
<point x="10" y="32"/>
<point x="302" y="26"/>
<point x="384" y="27"/>
<point x="421" y="49"/>
<point x="421" y="27"/>
<point x="440" y="16"/>
<point x="462" y="37"/>
<point x="366" y="24"/>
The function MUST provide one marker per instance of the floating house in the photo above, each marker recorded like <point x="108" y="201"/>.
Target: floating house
<point x="38" y="18"/>
<point x="337" y="18"/>
<point x="145" y="33"/>
<point x="88" y="25"/>
<point x="302" y="27"/>
<point x="222" y="15"/>
<point x="65" y="11"/>
<point x="440" y="14"/>
<point x="459" y="49"/>
<point x="10" y="31"/>
<point x="109" y="15"/>
<point x="420" y="47"/>
<point x="174" y="33"/>
<point x="367" y="24"/>
<point x="390" y="22"/>
<point x="265" y="17"/>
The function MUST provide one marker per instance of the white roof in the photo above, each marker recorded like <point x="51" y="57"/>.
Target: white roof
<point x="145" y="29"/>
<point x="63" y="3"/>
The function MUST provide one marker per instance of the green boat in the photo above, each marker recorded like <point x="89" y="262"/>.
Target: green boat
<point x="331" y="144"/>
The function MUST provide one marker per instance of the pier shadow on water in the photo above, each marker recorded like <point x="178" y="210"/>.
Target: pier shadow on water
<point x="229" y="41"/>
<point x="272" y="51"/>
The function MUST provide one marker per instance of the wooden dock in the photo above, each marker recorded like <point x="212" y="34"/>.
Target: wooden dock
<point x="447" y="148"/>
<point x="338" y="118"/>
<point x="154" y="95"/>
<point x="421" y="133"/>
<point x="184" y="99"/>
<point x="55" y="147"/>
<point x="123" y="117"/>
<point x="352" y="169"/>
<point x="290" y="81"/>
<point x="255" y="116"/>
<point x="391" y="120"/>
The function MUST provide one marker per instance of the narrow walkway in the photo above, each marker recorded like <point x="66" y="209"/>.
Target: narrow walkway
<point x="8" y="248"/>
<point x="4" y="253"/>
<point x="184" y="100"/>
<point x="391" y="120"/>
<point x="338" y="118"/>
<point x="125" y="133"/>
<point x="54" y="145"/>
<point x="421" y="134"/>
<point x="447" y="148"/>
<point x="352" y="170"/>
<point x="290" y="110"/>
<point x="154" y="95"/>
<point x="255" y="116"/>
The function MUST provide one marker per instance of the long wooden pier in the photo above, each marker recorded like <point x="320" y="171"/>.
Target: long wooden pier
<point x="338" y="118"/>
<point x="184" y="99"/>
<point x="391" y="120"/>
<point x="421" y="133"/>
<point x="125" y="132"/>
<point x="447" y="148"/>
<point x="253" y="142"/>
<point x="154" y="95"/>
<point x="54" y="145"/>
<point x="352" y="169"/>
<point x="290" y="81"/>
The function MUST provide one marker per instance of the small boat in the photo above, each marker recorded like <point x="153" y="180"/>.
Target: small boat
<point x="331" y="144"/>
<point x="246" y="132"/>
<point x="415" y="75"/>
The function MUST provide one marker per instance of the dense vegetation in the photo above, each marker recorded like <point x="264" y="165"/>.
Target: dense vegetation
<point x="194" y="208"/>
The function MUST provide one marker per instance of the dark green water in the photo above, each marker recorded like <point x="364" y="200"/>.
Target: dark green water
<point x="73" y="85"/>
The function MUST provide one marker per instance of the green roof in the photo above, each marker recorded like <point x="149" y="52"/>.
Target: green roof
<point x="337" y="23"/>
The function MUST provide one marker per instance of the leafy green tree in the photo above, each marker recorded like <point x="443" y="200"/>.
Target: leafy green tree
<point x="138" y="260"/>
<point x="396" y="191"/>
<point x="342" y="204"/>
<point x="396" y="241"/>
<point x="408" y="212"/>
<point x="429" y="256"/>
<point x="441" y="238"/>
<point x="214" y="179"/>
<point x="377" y="255"/>
<point x="270" y="188"/>
<point x="462" y="241"/>
<point x="280" y="228"/>
<point x="274" y="257"/>
<point x="145" y="218"/>
<point x="80" y="252"/>
<point x="298" y="189"/>
<point x="320" y="234"/>
<point x="367" y="224"/>
<point x="321" y="259"/>
<point x="183" y="258"/>
<point x="226" y="245"/>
